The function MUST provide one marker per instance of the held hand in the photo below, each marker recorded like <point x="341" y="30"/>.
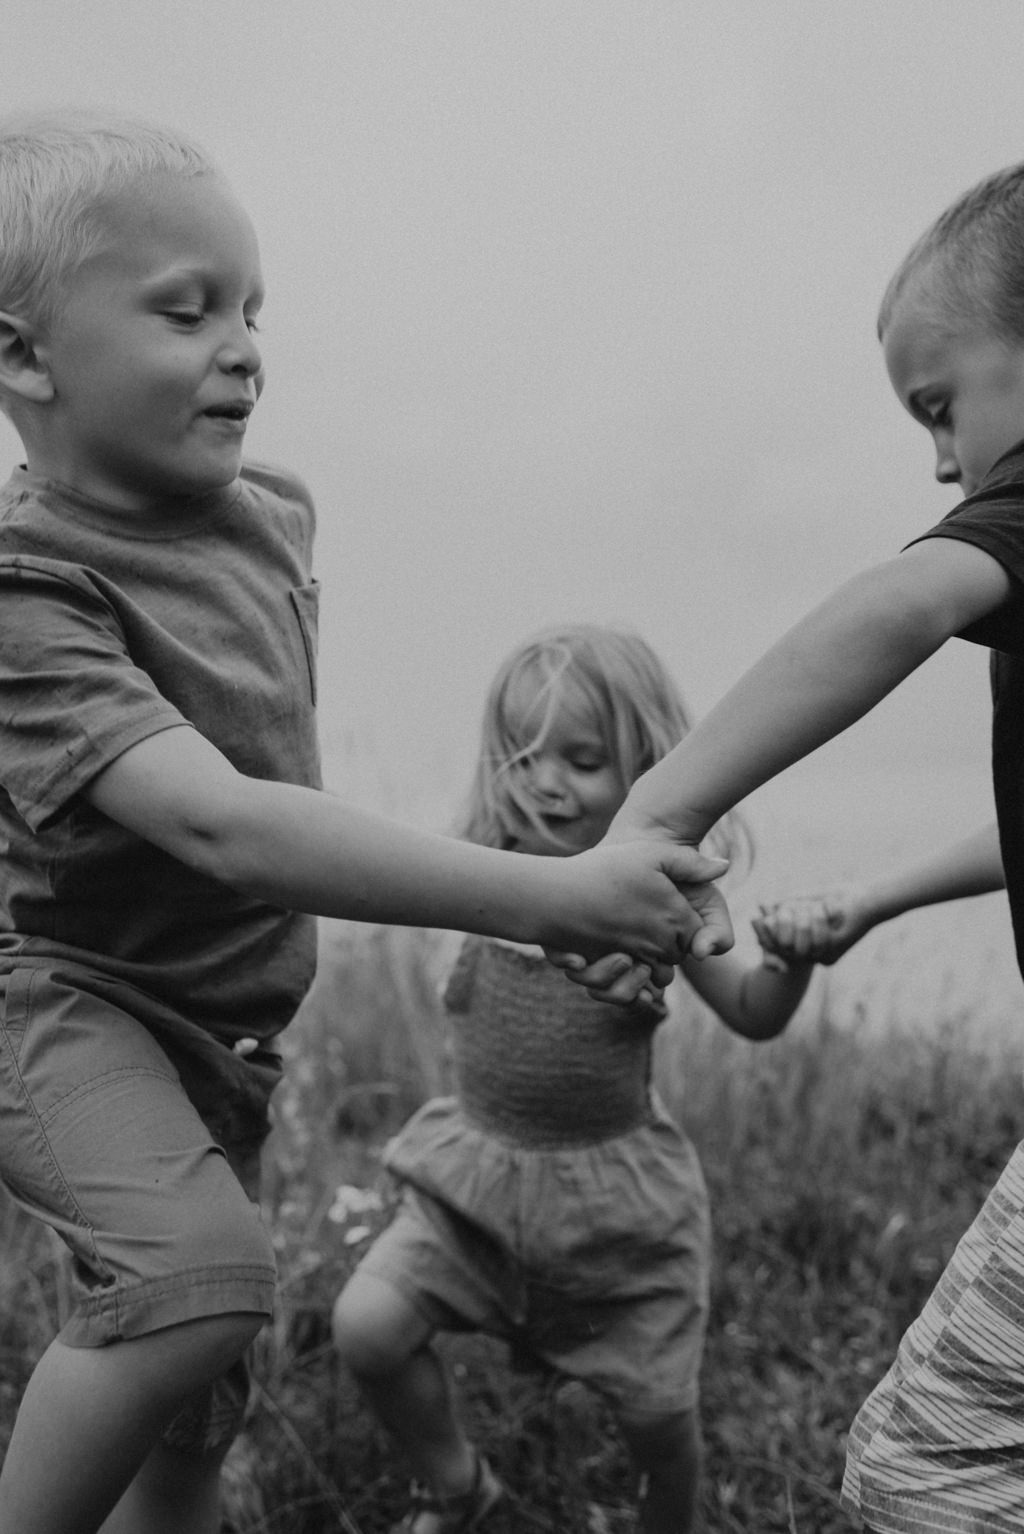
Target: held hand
<point x="819" y="928"/>
<point x="618" y="979"/>
<point x="653" y="900"/>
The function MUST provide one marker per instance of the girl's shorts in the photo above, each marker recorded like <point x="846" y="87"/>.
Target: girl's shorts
<point x="590" y="1259"/>
<point x="101" y="1141"/>
<point x="939" y="1444"/>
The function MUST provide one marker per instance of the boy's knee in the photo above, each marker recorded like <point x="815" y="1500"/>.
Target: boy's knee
<point x="206" y="1346"/>
<point x="234" y="1332"/>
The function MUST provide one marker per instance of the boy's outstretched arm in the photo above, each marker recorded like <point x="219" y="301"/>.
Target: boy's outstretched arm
<point x="306" y="850"/>
<point x="824" y="927"/>
<point x="827" y="672"/>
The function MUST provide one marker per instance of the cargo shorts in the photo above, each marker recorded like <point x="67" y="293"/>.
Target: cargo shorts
<point x="102" y="1141"/>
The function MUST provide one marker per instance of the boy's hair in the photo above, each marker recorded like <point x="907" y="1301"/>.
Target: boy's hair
<point x="977" y="249"/>
<point x="56" y="169"/>
<point x="610" y="678"/>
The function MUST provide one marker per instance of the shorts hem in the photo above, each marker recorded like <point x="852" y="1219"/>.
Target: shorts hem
<point x="127" y="1311"/>
<point x="431" y="1309"/>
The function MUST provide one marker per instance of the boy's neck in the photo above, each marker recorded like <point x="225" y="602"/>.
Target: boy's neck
<point x="106" y="512"/>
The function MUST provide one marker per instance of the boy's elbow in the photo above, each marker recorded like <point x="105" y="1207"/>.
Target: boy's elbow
<point x="220" y="841"/>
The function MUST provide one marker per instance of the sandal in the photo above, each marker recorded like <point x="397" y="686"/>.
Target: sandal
<point x="431" y="1514"/>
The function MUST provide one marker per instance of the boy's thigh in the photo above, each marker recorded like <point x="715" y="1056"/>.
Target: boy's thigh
<point x="101" y="1142"/>
<point x="941" y="1438"/>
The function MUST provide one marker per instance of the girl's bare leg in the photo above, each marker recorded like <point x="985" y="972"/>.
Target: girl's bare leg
<point x="386" y="1343"/>
<point x="667" y="1452"/>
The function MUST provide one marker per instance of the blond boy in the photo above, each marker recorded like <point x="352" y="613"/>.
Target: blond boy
<point x="161" y="821"/>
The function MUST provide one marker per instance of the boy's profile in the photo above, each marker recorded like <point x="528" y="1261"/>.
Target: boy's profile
<point x="160" y="819"/>
<point x="940" y="1442"/>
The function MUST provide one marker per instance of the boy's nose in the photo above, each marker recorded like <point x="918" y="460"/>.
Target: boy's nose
<point x="947" y="470"/>
<point x="240" y="353"/>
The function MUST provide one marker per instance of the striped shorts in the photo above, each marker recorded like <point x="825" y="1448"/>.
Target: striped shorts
<point x="939" y="1444"/>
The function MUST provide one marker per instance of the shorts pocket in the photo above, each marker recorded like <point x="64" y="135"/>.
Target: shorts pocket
<point x="16" y="1008"/>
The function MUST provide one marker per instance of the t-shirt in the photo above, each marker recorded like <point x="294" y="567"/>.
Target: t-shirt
<point x="113" y="628"/>
<point x="993" y="520"/>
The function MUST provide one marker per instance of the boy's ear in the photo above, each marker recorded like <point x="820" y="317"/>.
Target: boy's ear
<point x="23" y="367"/>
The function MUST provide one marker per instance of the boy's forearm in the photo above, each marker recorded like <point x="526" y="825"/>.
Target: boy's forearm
<point x="306" y="850"/>
<point x="312" y="852"/>
<point x="303" y="849"/>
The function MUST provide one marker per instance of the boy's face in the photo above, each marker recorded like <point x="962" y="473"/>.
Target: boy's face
<point x="965" y="387"/>
<point x="151" y="357"/>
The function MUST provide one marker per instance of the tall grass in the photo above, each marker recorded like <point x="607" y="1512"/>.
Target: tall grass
<point x="843" y="1163"/>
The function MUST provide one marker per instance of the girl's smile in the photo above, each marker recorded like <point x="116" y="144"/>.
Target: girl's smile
<point x="573" y="785"/>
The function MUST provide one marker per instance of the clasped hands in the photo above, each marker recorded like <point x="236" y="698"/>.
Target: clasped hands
<point x="817" y="928"/>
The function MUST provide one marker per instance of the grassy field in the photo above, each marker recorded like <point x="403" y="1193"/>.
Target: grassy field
<point x="843" y="1163"/>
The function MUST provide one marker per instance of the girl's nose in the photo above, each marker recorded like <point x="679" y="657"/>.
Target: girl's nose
<point x="546" y="779"/>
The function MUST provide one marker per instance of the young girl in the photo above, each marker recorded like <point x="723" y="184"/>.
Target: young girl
<point x="553" y="1202"/>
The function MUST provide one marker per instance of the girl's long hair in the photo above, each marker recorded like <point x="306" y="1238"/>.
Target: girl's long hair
<point x="612" y="679"/>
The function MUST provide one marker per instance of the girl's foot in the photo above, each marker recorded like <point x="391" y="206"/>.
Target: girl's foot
<point x="430" y="1514"/>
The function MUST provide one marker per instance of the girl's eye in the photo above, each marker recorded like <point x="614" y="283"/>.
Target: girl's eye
<point x="186" y="317"/>
<point x="253" y="328"/>
<point x="586" y="764"/>
<point x="938" y="416"/>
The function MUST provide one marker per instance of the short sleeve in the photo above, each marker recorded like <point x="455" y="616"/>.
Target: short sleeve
<point x="71" y="697"/>
<point x="993" y="520"/>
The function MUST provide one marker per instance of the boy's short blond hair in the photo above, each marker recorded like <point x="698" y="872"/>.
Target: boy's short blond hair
<point x="56" y="169"/>
<point x="974" y="252"/>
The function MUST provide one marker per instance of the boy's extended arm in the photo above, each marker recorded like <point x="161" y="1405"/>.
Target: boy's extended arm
<point x="306" y="850"/>
<point x="824" y="927"/>
<point x="828" y="671"/>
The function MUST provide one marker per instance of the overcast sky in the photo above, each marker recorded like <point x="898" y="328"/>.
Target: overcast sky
<point x="571" y="315"/>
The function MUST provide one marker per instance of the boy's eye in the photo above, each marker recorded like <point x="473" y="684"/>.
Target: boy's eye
<point x="184" y="316"/>
<point x="938" y="416"/>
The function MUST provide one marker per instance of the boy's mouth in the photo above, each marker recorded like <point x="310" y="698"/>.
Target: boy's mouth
<point x="241" y="410"/>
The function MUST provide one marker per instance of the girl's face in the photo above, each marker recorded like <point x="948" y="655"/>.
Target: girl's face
<point x="572" y="782"/>
<point x="966" y="388"/>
